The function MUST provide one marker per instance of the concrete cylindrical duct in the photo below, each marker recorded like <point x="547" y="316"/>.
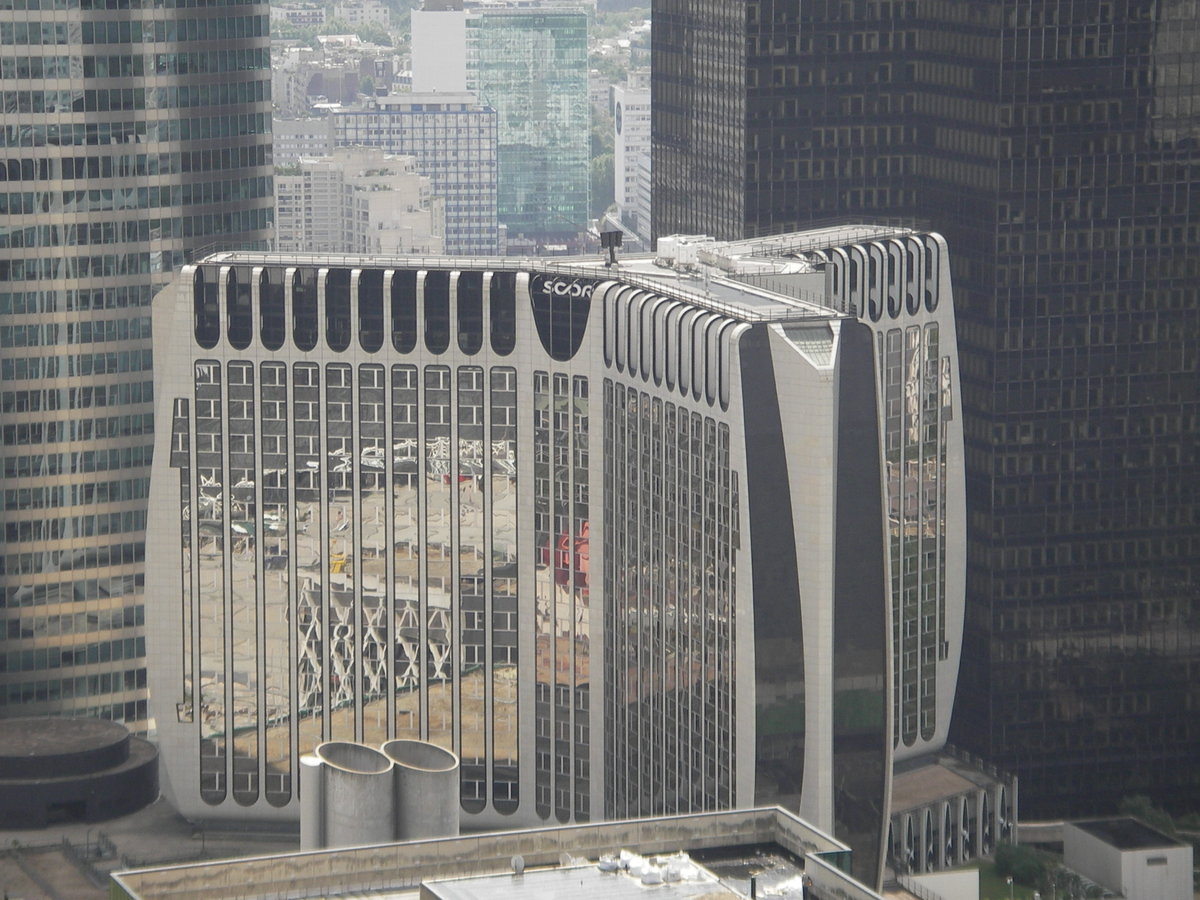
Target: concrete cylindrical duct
<point x="356" y="794"/>
<point x="426" y="789"/>
<point x="312" y="803"/>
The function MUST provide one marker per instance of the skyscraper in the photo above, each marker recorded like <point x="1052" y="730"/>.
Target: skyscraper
<point x="630" y="107"/>
<point x="453" y="139"/>
<point x="529" y="63"/>
<point x="614" y="536"/>
<point x="357" y="201"/>
<point x="133" y="134"/>
<point x="531" y="66"/>
<point x="1057" y="146"/>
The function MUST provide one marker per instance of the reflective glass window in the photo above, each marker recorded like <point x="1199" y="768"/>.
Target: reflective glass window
<point x="404" y="311"/>
<point x="337" y="309"/>
<point x="437" y="311"/>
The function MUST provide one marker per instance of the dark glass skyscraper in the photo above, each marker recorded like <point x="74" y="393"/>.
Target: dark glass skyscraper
<point x="134" y="133"/>
<point x="1056" y="147"/>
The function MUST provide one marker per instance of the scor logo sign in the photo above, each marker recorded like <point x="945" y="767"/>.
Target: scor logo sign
<point x="564" y="287"/>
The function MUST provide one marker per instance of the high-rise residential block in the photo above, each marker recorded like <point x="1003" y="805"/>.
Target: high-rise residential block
<point x="131" y="137"/>
<point x="357" y="201"/>
<point x="296" y="139"/>
<point x="624" y="539"/>
<point x="631" y="147"/>
<point x="300" y="14"/>
<point x="1055" y="146"/>
<point x="356" y="13"/>
<point x="453" y="138"/>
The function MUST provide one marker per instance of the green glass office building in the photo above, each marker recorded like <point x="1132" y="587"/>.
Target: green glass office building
<point x="134" y="134"/>
<point x="530" y="65"/>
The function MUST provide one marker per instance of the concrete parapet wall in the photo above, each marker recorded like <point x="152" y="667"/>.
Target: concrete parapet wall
<point x="397" y="866"/>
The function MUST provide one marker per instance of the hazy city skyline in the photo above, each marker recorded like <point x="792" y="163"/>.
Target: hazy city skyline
<point x="1055" y="146"/>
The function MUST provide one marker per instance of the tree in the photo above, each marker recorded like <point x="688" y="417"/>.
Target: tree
<point x="1026" y="865"/>
<point x="374" y="34"/>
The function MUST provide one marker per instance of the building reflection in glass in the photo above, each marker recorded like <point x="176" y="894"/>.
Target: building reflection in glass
<point x="406" y="553"/>
<point x="504" y="583"/>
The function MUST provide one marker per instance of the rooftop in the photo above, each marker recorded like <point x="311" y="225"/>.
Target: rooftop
<point x="679" y="879"/>
<point x="774" y="279"/>
<point x="1127" y="833"/>
<point x="927" y="779"/>
<point x="25" y="738"/>
<point x="731" y="839"/>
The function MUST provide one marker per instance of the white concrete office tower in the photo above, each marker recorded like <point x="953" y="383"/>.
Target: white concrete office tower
<point x="453" y="138"/>
<point x="358" y="201"/>
<point x="133" y="134"/>
<point x="631" y="147"/>
<point x="439" y="46"/>
<point x="627" y="540"/>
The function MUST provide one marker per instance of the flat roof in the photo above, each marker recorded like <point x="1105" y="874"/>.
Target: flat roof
<point x="1126" y="833"/>
<point x="928" y="784"/>
<point x="396" y="871"/>
<point x="776" y="279"/>
<point x="29" y="737"/>
<point x="928" y="779"/>
<point x="584" y="880"/>
<point x="776" y="873"/>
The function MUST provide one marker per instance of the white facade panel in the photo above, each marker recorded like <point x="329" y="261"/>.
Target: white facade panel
<point x="619" y="541"/>
<point x="439" y="50"/>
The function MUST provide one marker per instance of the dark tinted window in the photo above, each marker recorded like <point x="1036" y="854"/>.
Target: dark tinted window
<point x="370" y="310"/>
<point x="404" y="311"/>
<point x="504" y="312"/>
<point x="206" y="307"/>
<point x="238" y="307"/>
<point x="437" y="311"/>
<point x="271" y="325"/>
<point x="304" y="309"/>
<point x="560" y="311"/>
<point x="337" y="309"/>
<point x="470" y="312"/>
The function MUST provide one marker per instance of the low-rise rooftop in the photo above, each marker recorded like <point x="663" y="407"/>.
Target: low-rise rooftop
<point x="1126" y="833"/>
<point x="727" y="844"/>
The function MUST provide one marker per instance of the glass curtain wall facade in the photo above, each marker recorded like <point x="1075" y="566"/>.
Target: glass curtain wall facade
<point x="132" y="135"/>
<point x="388" y="484"/>
<point x="530" y="65"/>
<point x="1056" y="148"/>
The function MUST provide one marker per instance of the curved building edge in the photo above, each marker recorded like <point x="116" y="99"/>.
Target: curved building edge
<point x="428" y="498"/>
